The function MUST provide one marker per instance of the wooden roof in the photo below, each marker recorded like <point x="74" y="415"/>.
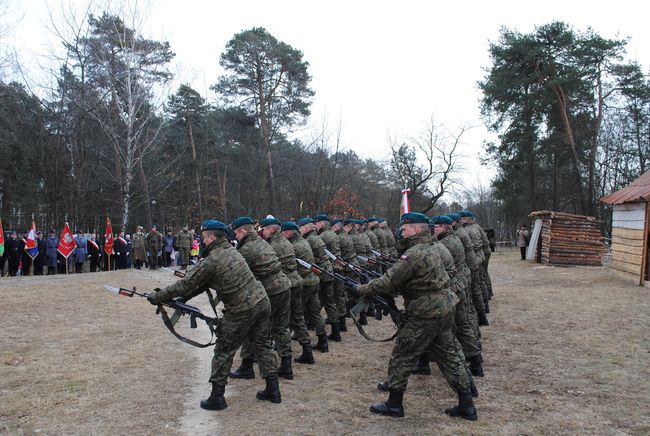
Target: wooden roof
<point x="638" y="190"/>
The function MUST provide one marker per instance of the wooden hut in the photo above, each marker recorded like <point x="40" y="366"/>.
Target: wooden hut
<point x="630" y="230"/>
<point x="567" y="239"/>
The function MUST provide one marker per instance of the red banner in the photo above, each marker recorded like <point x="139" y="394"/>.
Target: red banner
<point x="108" y="237"/>
<point x="66" y="242"/>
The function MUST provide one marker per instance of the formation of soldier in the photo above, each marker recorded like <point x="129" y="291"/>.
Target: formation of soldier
<point x="269" y="287"/>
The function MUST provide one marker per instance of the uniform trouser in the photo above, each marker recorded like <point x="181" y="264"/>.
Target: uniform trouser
<point x="486" y="277"/>
<point x="297" y="318"/>
<point x="280" y="313"/>
<point x="168" y="258"/>
<point x="235" y="328"/>
<point x="311" y="308"/>
<point x="477" y="293"/>
<point x="464" y="326"/>
<point x="435" y="337"/>
<point x="483" y="277"/>
<point x="51" y="270"/>
<point x="94" y="263"/>
<point x="184" y="256"/>
<point x="78" y="267"/>
<point x="153" y="260"/>
<point x="326" y="297"/>
<point x="340" y="298"/>
<point x="471" y="312"/>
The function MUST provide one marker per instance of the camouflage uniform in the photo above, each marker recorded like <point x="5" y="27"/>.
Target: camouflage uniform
<point x="359" y="246"/>
<point x="266" y="268"/>
<point x="184" y="241"/>
<point x="477" y="289"/>
<point x="154" y="245"/>
<point x="326" y="291"/>
<point x="429" y="303"/>
<point x="381" y="239"/>
<point x="390" y="241"/>
<point x="287" y="256"/>
<point x="333" y="243"/>
<point x="466" y="331"/>
<point x="485" y="275"/>
<point x="310" y="281"/>
<point x="246" y="307"/>
<point x="374" y="241"/>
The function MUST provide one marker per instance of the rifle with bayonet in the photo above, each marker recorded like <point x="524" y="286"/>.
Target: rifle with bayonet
<point x="363" y="273"/>
<point x="384" y="256"/>
<point x="385" y="305"/>
<point x="181" y="308"/>
<point x="176" y="272"/>
<point x="372" y="261"/>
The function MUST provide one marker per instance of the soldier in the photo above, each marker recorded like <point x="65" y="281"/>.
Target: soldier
<point x="331" y="240"/>
<point x="51" y="246"/>
<point x="359" y="246"/>
<point x="154" y="247"/>
<point x="310" y="284"/>
<point x="271" y="232"/>
<point x="477" y="286"/>
<point x="465" y="331"/>
<point x="390" y="237"/>
<point x="139" y="248"/>
<point x="375" y="229"/>
<point x="184" y="240"/>
<point x="81" y="252"/>
<point x="266" y="268"/>
<point x="246" y="315"/>
<point x="487" y="252"/>
<point x="326" y="287"/>
<point x="430" y="305"/>
<point x="346" y="247"/>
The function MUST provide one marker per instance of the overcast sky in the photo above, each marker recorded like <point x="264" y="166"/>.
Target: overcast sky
<point x="380" y="67"/>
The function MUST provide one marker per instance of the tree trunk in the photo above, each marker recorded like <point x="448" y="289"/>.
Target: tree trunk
<point x="197" y="176"/>
<point x="145" y="188"/>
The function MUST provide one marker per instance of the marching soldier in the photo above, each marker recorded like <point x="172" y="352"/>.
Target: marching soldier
<point x="266" y="268"/>
<point x="430" y="306"/>
<point x="184" y="240"/>
<point x="346" y="246"/>
<point x="477" y="289"/>
<point x="247" y="312"/>
<point x="390" y="237"/>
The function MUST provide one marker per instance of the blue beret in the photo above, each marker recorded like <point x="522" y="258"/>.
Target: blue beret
<point x="302" y="221"/>
<point x="270" y="221"/>
<point x="466" y="213"/>
<point x="321" y="217"/>
<point x="335" y="222"/>
<point x="372" y="219"/>
<point x="241" y="221"/>
<point x="443" y="219"/>
<point x="289" y="225"/>
<point x="348" y="221"/>
<point x="432" y="220"/>
<point x="214" y="225"/>
<point x="414" y="218"/>
<point x="454" y="216"/>
<point x="381" y="220"/>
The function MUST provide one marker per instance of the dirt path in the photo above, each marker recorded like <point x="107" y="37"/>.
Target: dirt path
<point x="568" y="351"/>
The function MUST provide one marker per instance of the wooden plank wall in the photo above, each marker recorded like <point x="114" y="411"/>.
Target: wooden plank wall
<point x="628" y="222"/>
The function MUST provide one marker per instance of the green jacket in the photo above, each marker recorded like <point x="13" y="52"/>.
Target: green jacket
<point x="374" y="241"/>
<point x="455" y="247"/>
<point x="138" y="246"/>
<point x="390" y="241"/>
<point x="331" y="241"/>
<point x="475" y="236"/>
<point x="303" y="251"/>
<point x="285" y="252"/>
<point x="223" y="269"/>
<point x="420" y="275"/>
<point x="381" y="239"/>
<point x="346" y="244"/>
<point x="184" y="240"/>
<point x="154" y="243"/>
<point x="318" y="249"/>
<point x="470" y="256"/>
<point x="264" y="263"/>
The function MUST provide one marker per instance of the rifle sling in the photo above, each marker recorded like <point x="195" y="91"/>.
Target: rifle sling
<point x="170" y="327"/>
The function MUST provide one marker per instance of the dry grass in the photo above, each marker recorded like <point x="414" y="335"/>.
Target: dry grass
<point x="567" y="352"/>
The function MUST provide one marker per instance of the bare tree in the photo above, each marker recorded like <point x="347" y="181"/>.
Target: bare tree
<point x="429" y="163"/>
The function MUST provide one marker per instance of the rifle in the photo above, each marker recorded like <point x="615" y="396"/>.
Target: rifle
<point x="176" y="272"/>
<point x="384" y="256"/>
<point x="384" y="304"/>
<point x="180" y="308"/>
<point x="363" y="273"/>
<point x="374" y="261"/>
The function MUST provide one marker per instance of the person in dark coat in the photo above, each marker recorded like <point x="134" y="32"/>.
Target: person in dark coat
<point x="25" y="259"/>
<point x="14" y="253"/>
<point x="81" y="252"/>
<point x="168" y="248"/>
<point x="50" y="252"/>
<point x="95" y="253"/>
<point x="129" y="243"/>
<point x="121" y="251"/>
<point x="40" y="257"/>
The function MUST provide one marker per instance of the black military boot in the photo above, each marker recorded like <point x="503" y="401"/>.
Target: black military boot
<point x="307" y="355"/>
<point x="383" y="386"/>
<point x="392" y="407"/>
<point x="215" y="401"/>
<point x="363" y="320"/>
<point x="342" y="325"/>
<point x="272" y="391"/>
<point x="475" y="366"/>
<point x="285" y="370"/>
<point x="422" y="366"/>
<point x="465" y="408"/>
<point x="245" y="370"/>
<point x="482" y="320"/>
<point x="321" y="345"/>
<point x="336" y="333"/>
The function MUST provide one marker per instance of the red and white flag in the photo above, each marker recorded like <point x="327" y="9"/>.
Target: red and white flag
<point x="30" y="244"/>
<point x="405" y="207"/>
<point x="66" y="245"/>
<point x="108" y="238"/>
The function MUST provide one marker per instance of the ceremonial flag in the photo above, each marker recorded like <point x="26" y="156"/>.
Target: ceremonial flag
<point x="66" y="242"/>
<point x="122" y="240"/>
<point x="108" y="237"/>
<point x="94" y="244"/>
<point x="2" y="240"/>
<point x="30" y="244"/>
<point x="405" y="207"/>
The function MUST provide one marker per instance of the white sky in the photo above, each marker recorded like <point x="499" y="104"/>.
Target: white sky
<point x="381" y="67"/>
